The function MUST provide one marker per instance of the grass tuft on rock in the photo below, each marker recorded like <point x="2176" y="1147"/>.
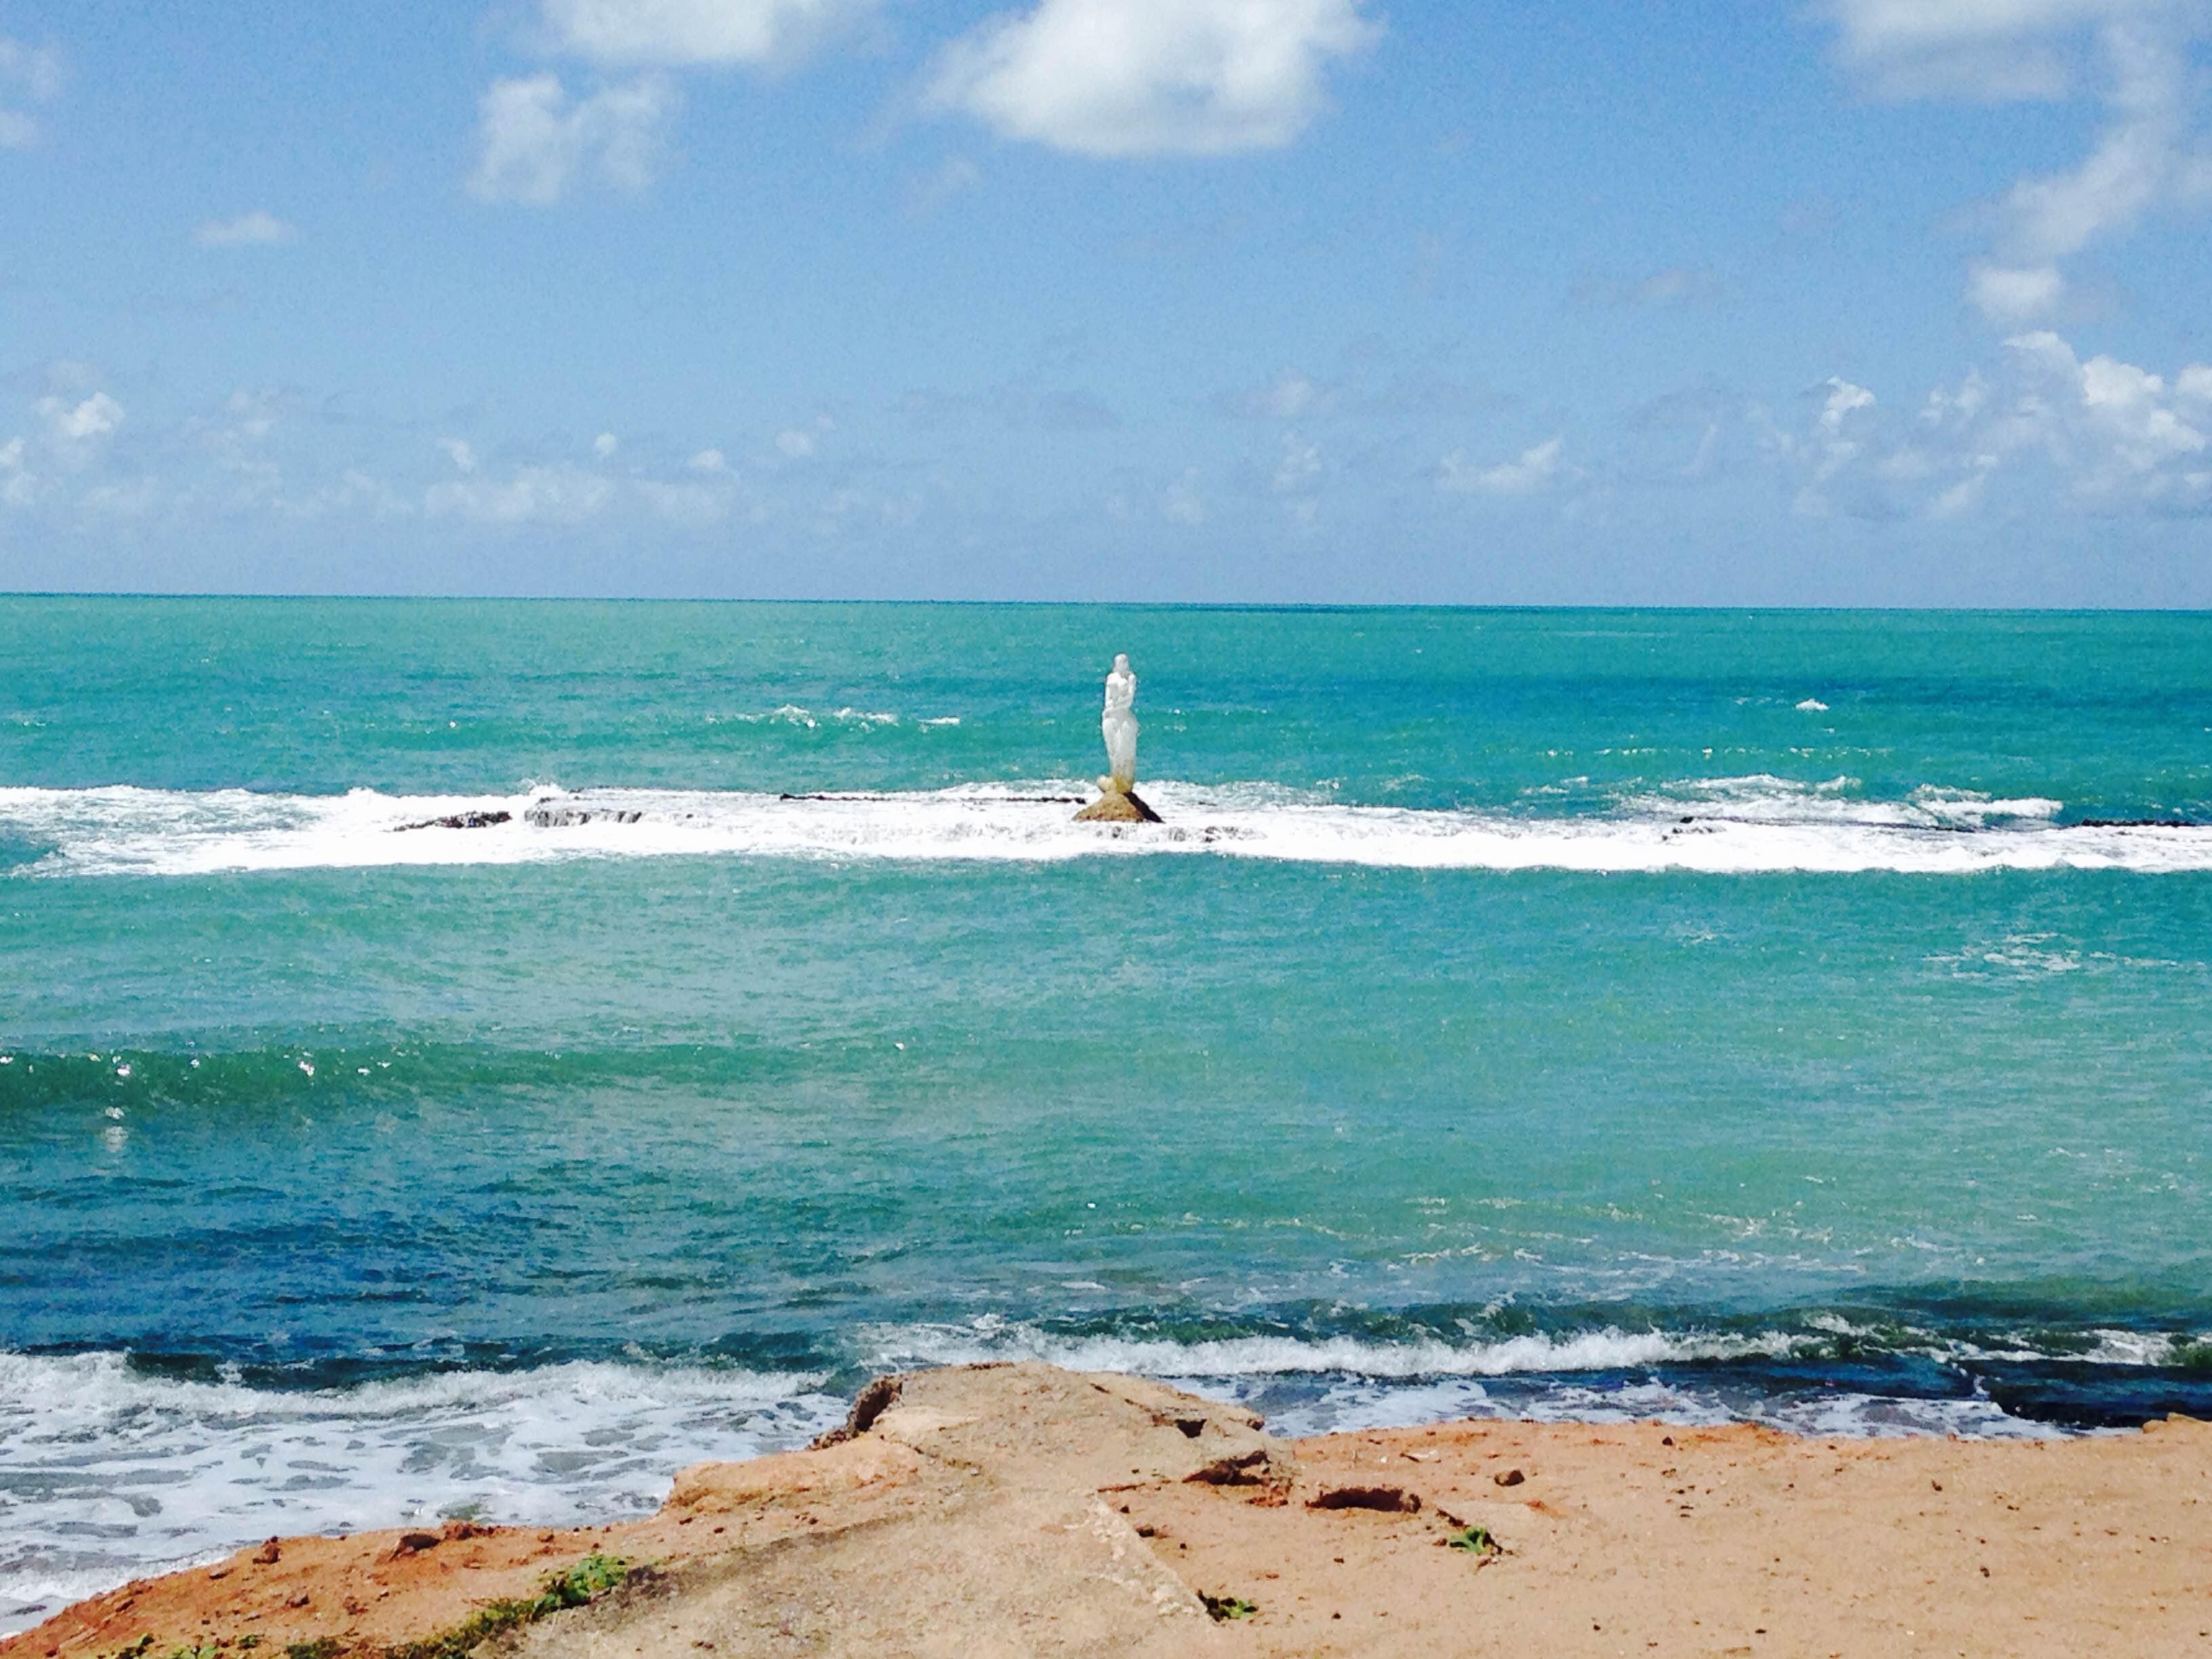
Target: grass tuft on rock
<point x="1223" y="1607"/>
<point x="589" y="1579"/>
<point x="1475" y="1540"/>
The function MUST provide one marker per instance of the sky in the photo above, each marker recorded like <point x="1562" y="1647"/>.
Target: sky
<point x="1752" y="302"/>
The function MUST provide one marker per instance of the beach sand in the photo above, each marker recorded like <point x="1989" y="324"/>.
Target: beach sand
<point x="1022" y="1510"/>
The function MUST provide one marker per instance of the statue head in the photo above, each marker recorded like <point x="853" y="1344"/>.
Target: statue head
<point x="1120" y="662"/>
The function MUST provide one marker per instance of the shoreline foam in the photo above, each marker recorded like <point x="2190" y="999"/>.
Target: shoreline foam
<point x="140" y="1471"/>
<point x="1022" y="1509"/>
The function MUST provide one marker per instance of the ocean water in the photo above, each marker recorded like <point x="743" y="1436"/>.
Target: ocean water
<point x="1801" y="1017"/>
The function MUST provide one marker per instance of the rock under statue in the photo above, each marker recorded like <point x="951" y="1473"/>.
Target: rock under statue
<point x="1117" y="801"/>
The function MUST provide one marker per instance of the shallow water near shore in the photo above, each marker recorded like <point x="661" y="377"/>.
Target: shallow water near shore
<point x="1791" y="1015"/>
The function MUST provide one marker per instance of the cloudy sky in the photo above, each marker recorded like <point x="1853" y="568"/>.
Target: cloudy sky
<point x="1846" y="301"/>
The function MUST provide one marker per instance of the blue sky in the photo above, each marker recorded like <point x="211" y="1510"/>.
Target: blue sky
<point x="1867" y="301"/>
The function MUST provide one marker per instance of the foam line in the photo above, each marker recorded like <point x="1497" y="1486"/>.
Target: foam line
<point x="117" y="1474"/>
<point x="1721" y="826"/>
<point x="1349" y="1405"/>
<point x="1281" y="1356"/>
<point x="1608" y="1348"/>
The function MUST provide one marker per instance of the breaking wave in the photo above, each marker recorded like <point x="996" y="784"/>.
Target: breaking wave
<point x="116" y="1472"/>
<point x="118" y="1468"/>
<point x="1720" y="826"/>
<point x="1605" y="1349"/>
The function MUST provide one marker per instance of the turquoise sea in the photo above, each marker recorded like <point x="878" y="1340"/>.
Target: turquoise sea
<point x="1798" y="1016"/>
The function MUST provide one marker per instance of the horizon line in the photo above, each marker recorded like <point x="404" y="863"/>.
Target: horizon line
<point x="143" y="594"/>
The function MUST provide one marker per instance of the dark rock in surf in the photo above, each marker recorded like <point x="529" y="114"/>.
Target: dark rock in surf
<point x="461" y="821"/>
<point x="872" y="1401"/>
<point x="1046" y="800"/>
<point x="568" y="817"/>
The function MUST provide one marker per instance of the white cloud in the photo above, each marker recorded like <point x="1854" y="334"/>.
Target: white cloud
<point x="1182" y="504"/>
<point x="1844" y="399"/>
<point x="96" y="418"/>
<point x="1836" y="443"/>
<point x="799" y="443"/>
<point x="354" y="492"/>
<point x="2012" y="295"/>
<point x="2044" y="428"/>
<point x="19" y="485"/>
<point x="532" y="495"/>
<point x="677" y="33"/>
<point x="1288" y="396"/>
<point x="234" y="441"/>
<point x="1958" y="500"/>
<point x="28" y="74"/>
<point x="34" y="70"/>
<point x="688" y="501"/>
<point x="247" y="455"/>
<point x="1145" y="78"/>
<point x="535" y="140"/>
<point x="258" y="228"/>
<point x="2109" y="430"/>
<point x="123" y="498"/>
<point x="2140" y="158"/>
<point x="71" y="441"/>
<point x="1995" y="50"/>
<point x="1525" y="474"/>
<point x="2146" y="157"/>
<point x="2130" y="405"/>
<point x="1300" y="464"/>
<point x="254" y="412"/>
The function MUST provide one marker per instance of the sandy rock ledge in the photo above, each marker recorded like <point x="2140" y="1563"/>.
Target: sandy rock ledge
<point x="1019" y="1510"/>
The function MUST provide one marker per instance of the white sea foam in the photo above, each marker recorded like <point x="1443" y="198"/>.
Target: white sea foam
<point x="2135" y="1348"/>
<point x="110" y="1474"/>
<point x="991" y="1339"/>
<point x="793" y="715"/>
<point x="1720" y="826"/>
<point x="1353" y="1404"/>
<point x="113" y="1473"/>
<point x="1316" y="1386"/>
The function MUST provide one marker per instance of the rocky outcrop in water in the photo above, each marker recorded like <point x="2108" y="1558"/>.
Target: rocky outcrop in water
<point x="1118" y="806"/>
<point x="546" y="815"/>
<point x="460" y="821"/>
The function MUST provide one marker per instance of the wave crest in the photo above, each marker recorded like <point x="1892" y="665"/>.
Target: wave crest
<point x="1716" y="826"/>
<point x="125" y="1473"/>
